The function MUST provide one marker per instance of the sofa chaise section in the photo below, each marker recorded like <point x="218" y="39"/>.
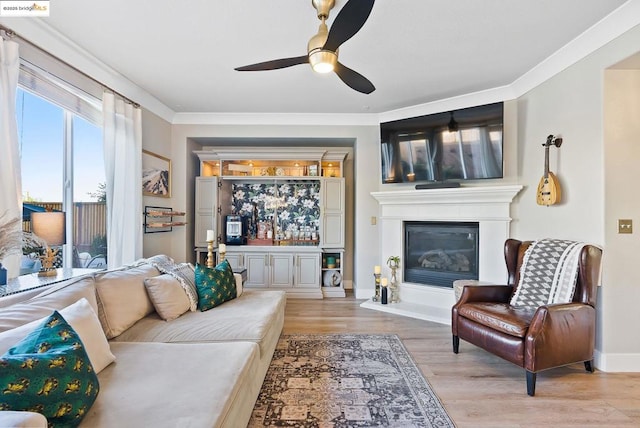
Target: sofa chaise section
<point x="177" y="385"/>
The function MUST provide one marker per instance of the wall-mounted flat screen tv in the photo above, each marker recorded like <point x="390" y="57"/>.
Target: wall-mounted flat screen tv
<point x="457" y="145"/>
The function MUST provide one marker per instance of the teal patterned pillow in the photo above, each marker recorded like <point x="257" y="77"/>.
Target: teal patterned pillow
<point x="215" y="285"/>
<point x="49" y="372"/>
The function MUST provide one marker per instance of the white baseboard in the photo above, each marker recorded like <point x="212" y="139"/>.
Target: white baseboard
<point x="617" y="363"/>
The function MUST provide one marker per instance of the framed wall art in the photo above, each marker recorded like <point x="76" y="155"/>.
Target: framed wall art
<point x="156" y="175"/>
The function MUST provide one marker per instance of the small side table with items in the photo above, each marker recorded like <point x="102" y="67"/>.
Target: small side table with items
<point x="33" y="280"/>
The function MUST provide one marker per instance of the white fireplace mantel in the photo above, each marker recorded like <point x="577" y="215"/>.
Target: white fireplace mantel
<point x="487" y="205"/>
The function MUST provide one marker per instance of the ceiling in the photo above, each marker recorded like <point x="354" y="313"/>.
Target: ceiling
<point x="413" y="51"/>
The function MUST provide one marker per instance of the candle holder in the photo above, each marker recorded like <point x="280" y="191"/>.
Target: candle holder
<point x="384" y="298"/>
<point x="210" y="254"/>
<point x="394" y="263"/>
<point x="223" y="255"/>
<point x="376" y="296"/>
<point x="393" y="286"/>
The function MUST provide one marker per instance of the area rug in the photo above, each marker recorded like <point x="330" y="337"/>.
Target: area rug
<point x="346" y="380"/>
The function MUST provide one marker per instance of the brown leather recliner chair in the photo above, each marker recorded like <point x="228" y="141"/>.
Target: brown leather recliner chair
<point x="536" y="339"/>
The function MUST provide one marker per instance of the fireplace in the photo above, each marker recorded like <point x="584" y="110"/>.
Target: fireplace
<point x="486" y="206"/>
<point x="438" y="253"/>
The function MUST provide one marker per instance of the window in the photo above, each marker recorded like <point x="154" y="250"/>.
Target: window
<point x="63" y="169"/>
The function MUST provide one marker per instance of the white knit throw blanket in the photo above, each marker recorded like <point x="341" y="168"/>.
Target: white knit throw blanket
<point x="548" y="273"/>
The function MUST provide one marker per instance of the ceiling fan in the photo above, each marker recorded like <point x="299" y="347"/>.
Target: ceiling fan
<point x="322" y="49"/>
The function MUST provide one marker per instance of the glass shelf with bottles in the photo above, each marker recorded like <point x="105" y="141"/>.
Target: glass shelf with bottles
<point x="303" y="236"/>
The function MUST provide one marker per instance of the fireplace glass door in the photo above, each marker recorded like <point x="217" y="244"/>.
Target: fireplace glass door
<point x="438" y="253"/>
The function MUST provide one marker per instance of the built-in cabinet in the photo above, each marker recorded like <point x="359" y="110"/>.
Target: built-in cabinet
<point x="298" y="192"/>
<point x="297" y="272"/>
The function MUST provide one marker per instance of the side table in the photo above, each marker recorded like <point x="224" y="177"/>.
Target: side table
<point x="32" y="280"/>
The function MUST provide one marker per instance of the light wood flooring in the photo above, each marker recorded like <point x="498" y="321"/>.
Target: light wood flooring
<point x="477" y="388"/>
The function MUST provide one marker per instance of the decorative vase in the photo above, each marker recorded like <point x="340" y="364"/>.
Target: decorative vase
<point x="3" y="275"/>
<point x="393" y="285"/>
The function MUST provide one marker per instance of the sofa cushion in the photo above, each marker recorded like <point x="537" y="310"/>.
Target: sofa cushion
<point x="9" y="418"/>
<point x="167" y="296"/>
<point x="122" y="298"/>
<point x="83" y="319"/>
<point x="53" y="298"/>
<point x="185" y="273"/>
<point x="503" y="317"/>
<point x="175" y="385"/>
<point x="255" y="316"/>
<point x="215" y="285"/>
<point x="49" y="372"/>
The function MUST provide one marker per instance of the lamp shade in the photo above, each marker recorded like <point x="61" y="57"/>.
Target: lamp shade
<point x="49" y="226"/>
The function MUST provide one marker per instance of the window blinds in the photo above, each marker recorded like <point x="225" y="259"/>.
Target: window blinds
<point x="60" y="83"/>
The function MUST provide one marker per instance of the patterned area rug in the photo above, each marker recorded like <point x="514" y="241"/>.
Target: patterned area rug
<point x="346" y="380"/>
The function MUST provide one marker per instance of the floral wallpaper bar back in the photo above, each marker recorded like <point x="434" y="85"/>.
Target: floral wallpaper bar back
<point x="290" y="206"/>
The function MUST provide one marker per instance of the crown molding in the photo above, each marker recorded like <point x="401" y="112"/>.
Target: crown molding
<point x="41" y="34"/>
<point x="494" y="95"/>
<point x="602" y="32"/>
<point x="300" y="119"/>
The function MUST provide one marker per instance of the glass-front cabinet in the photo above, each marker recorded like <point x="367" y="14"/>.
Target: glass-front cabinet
<point x="296" y="162"/>
<point x="291" y="202"/>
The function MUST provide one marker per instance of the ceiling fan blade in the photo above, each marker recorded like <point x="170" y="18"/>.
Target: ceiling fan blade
<point x="275" y="64"/>
<point x="354" y="80"/>
<point x="349" y="21"/>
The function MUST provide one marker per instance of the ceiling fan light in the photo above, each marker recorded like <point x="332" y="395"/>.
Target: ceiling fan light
<point x="323" y="67"/>
<point x="323" y="61"/>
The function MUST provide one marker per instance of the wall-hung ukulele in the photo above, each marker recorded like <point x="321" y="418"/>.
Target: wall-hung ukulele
<point x="549" y="187"/>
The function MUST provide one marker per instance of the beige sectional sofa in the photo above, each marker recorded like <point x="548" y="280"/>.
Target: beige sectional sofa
<point x="202" y="369"/>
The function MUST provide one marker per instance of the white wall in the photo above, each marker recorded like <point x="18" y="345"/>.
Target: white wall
<point x="595" y="186"/>
<point x="621" y="295"/>
<point x="156" y="137"/>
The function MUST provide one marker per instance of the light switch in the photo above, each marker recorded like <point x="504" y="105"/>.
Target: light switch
<point x="625" y="226"/>
<point x="373" y="220"/>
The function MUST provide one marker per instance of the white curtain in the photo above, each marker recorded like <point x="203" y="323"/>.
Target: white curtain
<point x="123" y="164"/>
<point x="10" y="171"/>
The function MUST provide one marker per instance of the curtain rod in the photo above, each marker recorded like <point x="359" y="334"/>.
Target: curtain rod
<point x="10" y="34"/>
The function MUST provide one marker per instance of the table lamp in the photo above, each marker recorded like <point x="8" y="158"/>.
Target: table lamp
<point x="50" y="226"/>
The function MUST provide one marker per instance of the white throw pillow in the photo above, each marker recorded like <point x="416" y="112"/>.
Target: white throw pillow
<point x="84" y="321"/>
<point x="122" y="298"/>
<point x="167" y="295"/>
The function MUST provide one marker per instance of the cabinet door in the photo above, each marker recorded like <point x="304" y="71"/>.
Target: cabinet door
<point x="307" y="271"/>
<point x="257" y="265"/>
<point x="333" y="215"/>
<point x="333" y="230"/>
<point x="206" y="205"/>
<point x="281" y="269"/>
<point x="235" y="260"/>
<point x="333" y="194"/>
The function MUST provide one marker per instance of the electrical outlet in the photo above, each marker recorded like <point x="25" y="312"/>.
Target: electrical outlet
<point x="625" y="226"/>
